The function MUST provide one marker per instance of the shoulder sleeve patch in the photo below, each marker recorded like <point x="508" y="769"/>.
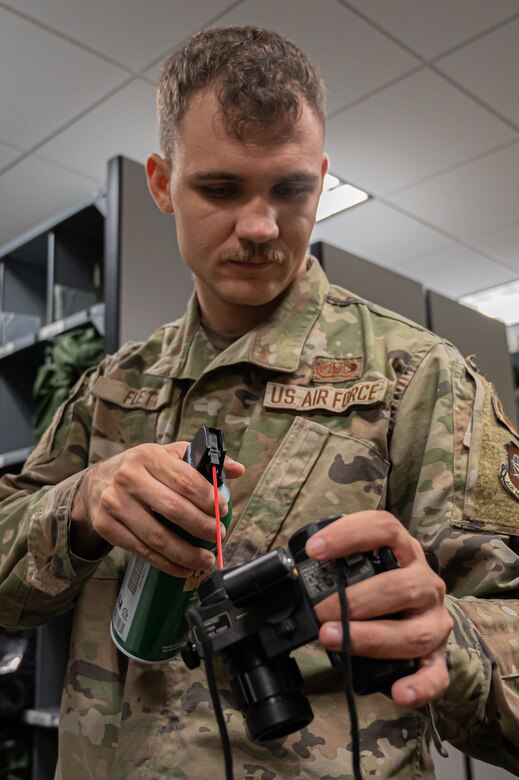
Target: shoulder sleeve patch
<point x="492" y="493"/>
<point x="510" y="471"/>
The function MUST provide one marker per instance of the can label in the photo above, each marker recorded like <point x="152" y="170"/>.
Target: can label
<point x="129" y="595"/>
<point x="148" y="622"/>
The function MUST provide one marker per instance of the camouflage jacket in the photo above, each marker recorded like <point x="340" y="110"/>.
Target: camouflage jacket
<point x="333" y="404"/>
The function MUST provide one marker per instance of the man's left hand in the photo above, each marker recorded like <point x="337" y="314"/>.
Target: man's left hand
<point x="413" y="589"/>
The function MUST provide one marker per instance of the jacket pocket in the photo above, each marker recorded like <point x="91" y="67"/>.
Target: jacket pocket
<point x="315" y="472"/>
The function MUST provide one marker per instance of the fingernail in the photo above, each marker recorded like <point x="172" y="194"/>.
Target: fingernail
<point x="333" y="634"/>
<point x="208" y="561"/>
<point x="225" y="510"/>
<point x="223" y="530"/>
<point x="316" y="546"/>
<point x="410" y="695"/>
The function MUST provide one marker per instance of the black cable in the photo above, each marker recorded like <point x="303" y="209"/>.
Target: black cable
<point x="213" y="690"/>
<point x="345" y="655"/>
<point x="346" y="671"/>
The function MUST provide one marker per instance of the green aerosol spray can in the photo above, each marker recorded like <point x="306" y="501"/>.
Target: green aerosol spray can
<point x="148" y="623"/>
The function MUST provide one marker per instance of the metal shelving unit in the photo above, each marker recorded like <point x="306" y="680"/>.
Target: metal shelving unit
<point x="112" y="262"/>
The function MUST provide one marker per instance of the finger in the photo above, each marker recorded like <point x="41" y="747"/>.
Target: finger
<point x="361" y="532"/>
<point x="413" y="636"/>
<point x="176" y="448"/>
<point x="427" y="684"/>
<point x="146" y="470"/>
<point x="155" y="544"/>
<point x="137" y="515"/>
<point x="413" y="587"/>
<point x="181" y="512"/>
<point x="180" y="477"/>
<point x="196" y="488"/>
<point x="233" y="468"/>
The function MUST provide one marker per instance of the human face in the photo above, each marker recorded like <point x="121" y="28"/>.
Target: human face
<point x="244" y="209"/>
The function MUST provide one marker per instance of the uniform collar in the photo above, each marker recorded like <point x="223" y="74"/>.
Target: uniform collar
<point x="276" y="344"/>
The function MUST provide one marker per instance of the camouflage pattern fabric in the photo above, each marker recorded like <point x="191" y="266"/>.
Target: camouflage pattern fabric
<point x="333" y="404"/>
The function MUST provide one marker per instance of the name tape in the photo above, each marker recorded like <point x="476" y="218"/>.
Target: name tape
<point x="119" y="393"/>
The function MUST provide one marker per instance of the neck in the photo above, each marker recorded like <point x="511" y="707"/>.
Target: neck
<point x="234" y="321"/>
<point x="220" y="341"/>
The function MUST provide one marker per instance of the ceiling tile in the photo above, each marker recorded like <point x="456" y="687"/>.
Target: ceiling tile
<point x="43" y="189"/>
<point x="410" y="130"/>
<point x="130" y="32"/>
<point x="475" y="198"/>
<point x="489" y="68"/>
<point x="5" y="238"/>
<point x="379" y="233"/>
<point x="335" y="39"/>
<point x="503" y="242"/>
<point x="7" y="155"/>
<point x="87" y="145"/>
<point x="393" y="139"/>
<point x="433" y="28"/>
<point x="457" y="270"/>
<point x="49" y="84"/>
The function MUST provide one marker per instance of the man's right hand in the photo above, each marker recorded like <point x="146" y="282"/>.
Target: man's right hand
<point x="116" y="499"/>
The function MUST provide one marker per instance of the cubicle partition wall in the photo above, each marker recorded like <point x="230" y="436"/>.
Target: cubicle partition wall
<point x="483" y="337"/>
<point x="472" y="332"/>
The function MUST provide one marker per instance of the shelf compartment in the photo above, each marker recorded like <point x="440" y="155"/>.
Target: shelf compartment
<point x="94" y="315"/>
<point x="24" y="285"/>
<point x="76" y="248"/>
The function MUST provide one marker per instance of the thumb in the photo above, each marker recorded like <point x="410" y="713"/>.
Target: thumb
<point x="233" y="468"/>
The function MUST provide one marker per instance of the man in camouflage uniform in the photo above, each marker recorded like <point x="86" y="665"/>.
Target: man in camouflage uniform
<point x="331" y="404"/>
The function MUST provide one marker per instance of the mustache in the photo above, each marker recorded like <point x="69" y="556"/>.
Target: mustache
<point x="241" y="255"/>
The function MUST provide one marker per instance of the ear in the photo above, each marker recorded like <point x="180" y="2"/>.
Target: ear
<point x="324" y="168"/>
<point x="158" y="172"/>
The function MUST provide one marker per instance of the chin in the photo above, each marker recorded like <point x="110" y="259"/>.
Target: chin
<point x="253" y="294"/>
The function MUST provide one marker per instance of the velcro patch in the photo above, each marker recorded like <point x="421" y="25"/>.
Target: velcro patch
<point x="510" y="471"/>
<point x="330" y="399"/>
<point x="337" y="369"/>
<point x="491" y="502"/>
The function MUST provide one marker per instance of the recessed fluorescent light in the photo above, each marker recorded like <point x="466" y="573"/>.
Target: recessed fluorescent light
<point x="330" y="182"/>
<point x="501" y="302"/>
<point x="338" y="196"/>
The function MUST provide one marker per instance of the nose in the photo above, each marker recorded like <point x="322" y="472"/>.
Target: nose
<point x="257" y="222"/>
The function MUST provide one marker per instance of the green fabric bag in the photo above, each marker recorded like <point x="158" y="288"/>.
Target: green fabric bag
<point x="71" y="354"/>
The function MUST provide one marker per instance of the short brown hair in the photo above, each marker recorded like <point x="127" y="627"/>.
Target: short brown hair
<point x="261" y="78"/>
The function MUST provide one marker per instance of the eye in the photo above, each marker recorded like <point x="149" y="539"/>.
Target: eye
<point x="292" y="191"/>
<point x="218" y="191"/>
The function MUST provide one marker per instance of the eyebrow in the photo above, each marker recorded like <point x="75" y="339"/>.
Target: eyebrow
<point x="216" y="175"/>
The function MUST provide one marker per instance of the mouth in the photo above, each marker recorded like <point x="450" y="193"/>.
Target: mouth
<point x="254" y="267"/>
<point x="260" y="259"/>
<point x="252" y="260"/>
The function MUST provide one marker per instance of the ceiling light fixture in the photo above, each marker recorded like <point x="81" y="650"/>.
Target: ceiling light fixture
<point x="338" y="196"/>
<point x="500" y="302"/>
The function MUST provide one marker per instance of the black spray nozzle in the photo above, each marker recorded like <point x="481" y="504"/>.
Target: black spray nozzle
<point x="205" y="451"/>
